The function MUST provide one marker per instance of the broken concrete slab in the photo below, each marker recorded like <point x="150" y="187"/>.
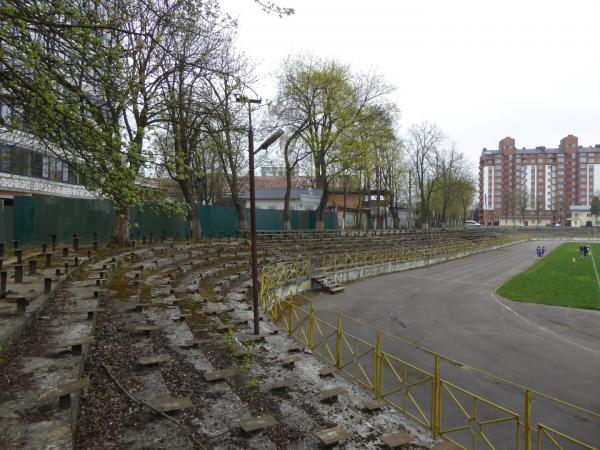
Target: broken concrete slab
<point x="333" y="435"/>
<point x="397" y="439"/>
<point x="258" y="423"/>
<point x="153" y="360"/>
<point x="64" y="391"/>
<point x="172" y="404"/>
<point x="331" y="395"/>
<point x="373" y="405"/>
<point x="218" y="375"/>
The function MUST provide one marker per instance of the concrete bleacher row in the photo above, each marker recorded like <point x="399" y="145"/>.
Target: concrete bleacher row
<point x="182" y="308"/>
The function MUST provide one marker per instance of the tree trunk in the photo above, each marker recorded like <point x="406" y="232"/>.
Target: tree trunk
<point x="345" y="202"/>
<point x="196" y="225"/>
<point x="287" y="223"/>
<point x="393" y="212"/>
<point x="121" y="226"/>
<point x="320" y="212"/>
<point x="237" y="203"/>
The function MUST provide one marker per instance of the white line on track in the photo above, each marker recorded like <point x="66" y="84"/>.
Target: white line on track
<point x="553" y="333"/>
<point x="595" y="268"/>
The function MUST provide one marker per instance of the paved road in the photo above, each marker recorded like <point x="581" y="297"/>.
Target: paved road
<point x="452" y="309"/>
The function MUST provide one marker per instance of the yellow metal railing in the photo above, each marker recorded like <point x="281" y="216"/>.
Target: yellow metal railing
<point x="454" y="412"/>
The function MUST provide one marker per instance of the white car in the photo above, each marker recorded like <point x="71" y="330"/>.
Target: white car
<point x="472" y="223"/>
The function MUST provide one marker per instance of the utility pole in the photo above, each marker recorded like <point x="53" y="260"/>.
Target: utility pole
<point x="410" y="214"/>
<point x="253" y="245"/>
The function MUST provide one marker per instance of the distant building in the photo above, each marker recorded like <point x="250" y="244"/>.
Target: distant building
<point x="269" y="169"/>
<point x="537" y="186"/>
<point x="26" y="168"/>
<point x="303" y="199"/>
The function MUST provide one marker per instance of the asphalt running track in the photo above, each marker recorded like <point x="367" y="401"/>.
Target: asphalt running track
<point x="452" y="309"/>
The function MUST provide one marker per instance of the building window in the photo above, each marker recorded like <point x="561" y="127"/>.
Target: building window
<point x="45" y="167"/>
<point x="4" y="158"/>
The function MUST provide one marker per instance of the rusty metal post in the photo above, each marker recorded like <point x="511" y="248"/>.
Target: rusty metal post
<point x="253" y="257"/>
<point x="3" y="281"/>
<point x="32" y="266"/>
<point x="18" y="273"/>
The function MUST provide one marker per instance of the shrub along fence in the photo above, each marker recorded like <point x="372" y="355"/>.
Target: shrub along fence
<point x="34" y="219"/>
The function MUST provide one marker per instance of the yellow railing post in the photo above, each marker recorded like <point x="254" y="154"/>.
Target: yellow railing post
<point x="338" y="343"/>
<point x="377" y="367"/>
<point x="527" y="420"/>
<point x="290" y="315"/>
<point x="311" y="327"/>
<point x="436" y="398"/>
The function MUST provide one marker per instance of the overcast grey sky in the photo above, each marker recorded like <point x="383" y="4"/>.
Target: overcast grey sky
<point x="481" y="70"/>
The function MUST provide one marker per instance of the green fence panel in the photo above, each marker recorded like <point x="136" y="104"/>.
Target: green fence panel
<point x="268" y="219"/>
<point x="34" y="219"/>
<point x="331" y="221"/>
<point x="66" y="217"/>
<point x="152" y="221"/>
<point x="23" y="219"/>
<point x="47" y="207"/>
<point x="301" y="220"/>
<point x="218" y="220"/>
<point x="6" y="221"/>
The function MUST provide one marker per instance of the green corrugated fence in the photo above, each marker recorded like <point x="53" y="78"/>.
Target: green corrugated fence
<point x="34" y="219"/>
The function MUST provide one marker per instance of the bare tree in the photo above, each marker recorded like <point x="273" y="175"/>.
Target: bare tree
<point x="423" y="150"/>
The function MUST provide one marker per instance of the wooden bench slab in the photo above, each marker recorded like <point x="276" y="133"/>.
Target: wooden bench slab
<point x="333" y="435"/>
<point x="190" y="343"/>
<point x="331" y="395"/>
<point x="372" y="405"/>
<point x="145" y="329"/>
<point x="77" y="344"/>
<point x="281" y="385"/>
<point x="153" y="360"/>
<point x="64" y="391"/>
<point x="397" y="439"/>
<point x="289" y="361"/>
<point x="172" y="404"/>
<point x="295" y="348"/>
<point x="217" y="375"/>
<point x="258" y="423"/>
<point x="182" y="317"/>
<point x="328" y="371"/>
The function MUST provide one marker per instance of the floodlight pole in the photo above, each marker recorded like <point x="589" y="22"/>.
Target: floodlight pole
<point x="253" y="257"/>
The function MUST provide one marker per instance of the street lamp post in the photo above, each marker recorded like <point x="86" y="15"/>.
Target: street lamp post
<point x="253" y="259"/>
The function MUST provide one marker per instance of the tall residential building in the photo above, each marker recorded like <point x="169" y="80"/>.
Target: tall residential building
<point x="537" y="186"/>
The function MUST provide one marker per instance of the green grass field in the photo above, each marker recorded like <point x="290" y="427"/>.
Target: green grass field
<point x="558" y="280"/>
